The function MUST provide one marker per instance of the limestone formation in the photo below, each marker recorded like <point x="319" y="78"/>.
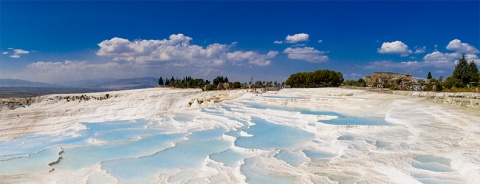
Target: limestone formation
<point x="380" y="78"/>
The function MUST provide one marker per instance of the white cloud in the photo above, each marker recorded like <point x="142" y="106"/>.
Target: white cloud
<point x="320" y="41"/>
<point x="396" y="47"/>
<point x="472" y="57"/>
<point x="449" y="59"/>
<point x="435" y="59"/>
<point x="277" y="42"/>
<point x="419" y="50"/>
<point x="178" y="51"/>
<point x="458" y="46"/>
<point x="307" y="54"/>
<point x="17" y="53"/>
<point x="387" y="64"/>
<point x="439" y="58"/>
<point x="301" y="37"/>
<point x="252" y="57"/>
<point x="4" y="53"/>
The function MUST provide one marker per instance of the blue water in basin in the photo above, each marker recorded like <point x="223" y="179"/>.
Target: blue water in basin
<point x="340" y="120"/>
<point x="318" y="154"/>
<point x="432" y="163"/>
<point x="229" y="157"/>
<point x="138" y="151"/>
<point x="293" y="158"/>
<point x="257" y="175"/>
<point x="268" y="136"/>
<point x="187" y="154"/>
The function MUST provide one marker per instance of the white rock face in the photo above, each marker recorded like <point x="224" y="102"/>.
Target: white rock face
<point x="328" y="135"/>
<point x="56" y="113"/>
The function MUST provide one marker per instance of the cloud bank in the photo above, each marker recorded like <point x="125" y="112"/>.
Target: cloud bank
<point x="178" y="51"/>
<point x="435" y="59"/>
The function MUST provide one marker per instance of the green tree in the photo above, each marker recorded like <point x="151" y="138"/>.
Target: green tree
<point x="160" y="81"/>
<point x="429" y="76"/>
<point x="236" y="85"/>
<point x="318" y="78"/>
<point x="461" y="71"/>
<point x="451" y="82"/>
<point x="473" y="74"/>
<point x="258" y="84"/>
<point x="219" y="79"/>
<point x="172" y="81"/>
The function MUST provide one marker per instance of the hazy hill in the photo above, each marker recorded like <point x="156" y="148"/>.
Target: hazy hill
<point x="116" y="84"/>
<point x="24" y="83"/>
<point x="22" y="88"/>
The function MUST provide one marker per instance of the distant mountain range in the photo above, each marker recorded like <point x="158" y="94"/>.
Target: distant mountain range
<point x="116" y="84"/>
<point x="24" y="83"/>
<point x="96" y="84"/>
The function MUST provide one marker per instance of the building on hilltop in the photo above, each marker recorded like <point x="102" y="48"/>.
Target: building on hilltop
<point x="382" y="79"/>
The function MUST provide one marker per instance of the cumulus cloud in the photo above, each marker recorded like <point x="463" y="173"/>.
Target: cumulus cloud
<point x="420" y="50"/>
<point x="439" y="58"/>
<point x="472" y="57"/>
<point x="434" y="59"/>
<point x="307" y="54"/>
<point x="277" y="42"/>
<point x="17" y="53"/>
<point x="458" y="46"/>
<point x="320" y="41"/>
<point x="4" y="53"/>
<point x="388" y="64"/>
<point x="301" y="37"/>
<point x="252" y="57"/>
<point x="177" y="51"/>
<point x="396" y="47"/>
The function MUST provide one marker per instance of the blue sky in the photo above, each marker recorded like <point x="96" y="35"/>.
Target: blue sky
<point x="55" y="41"/>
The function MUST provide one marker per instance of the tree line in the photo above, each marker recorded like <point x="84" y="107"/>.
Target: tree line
<point x="218" y="83"/>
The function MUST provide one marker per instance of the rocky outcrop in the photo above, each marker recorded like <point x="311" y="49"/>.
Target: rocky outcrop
<point x="67" y="110"/>
<point x="14" y="103"/>
<point x="388" y="77"/>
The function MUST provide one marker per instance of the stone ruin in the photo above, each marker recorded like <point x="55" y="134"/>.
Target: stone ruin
<point x="378" y="79"/>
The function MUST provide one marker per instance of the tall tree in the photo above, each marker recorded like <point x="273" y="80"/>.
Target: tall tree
<point x="429" y="76"/>
<point x="473" y="72"/>
<point x="172" y="81"/>
<point x="160" y="81"/>
<point x="461" y="70"/>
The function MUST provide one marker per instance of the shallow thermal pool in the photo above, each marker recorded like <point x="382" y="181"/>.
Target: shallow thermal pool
<point x="236" y="141"/>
